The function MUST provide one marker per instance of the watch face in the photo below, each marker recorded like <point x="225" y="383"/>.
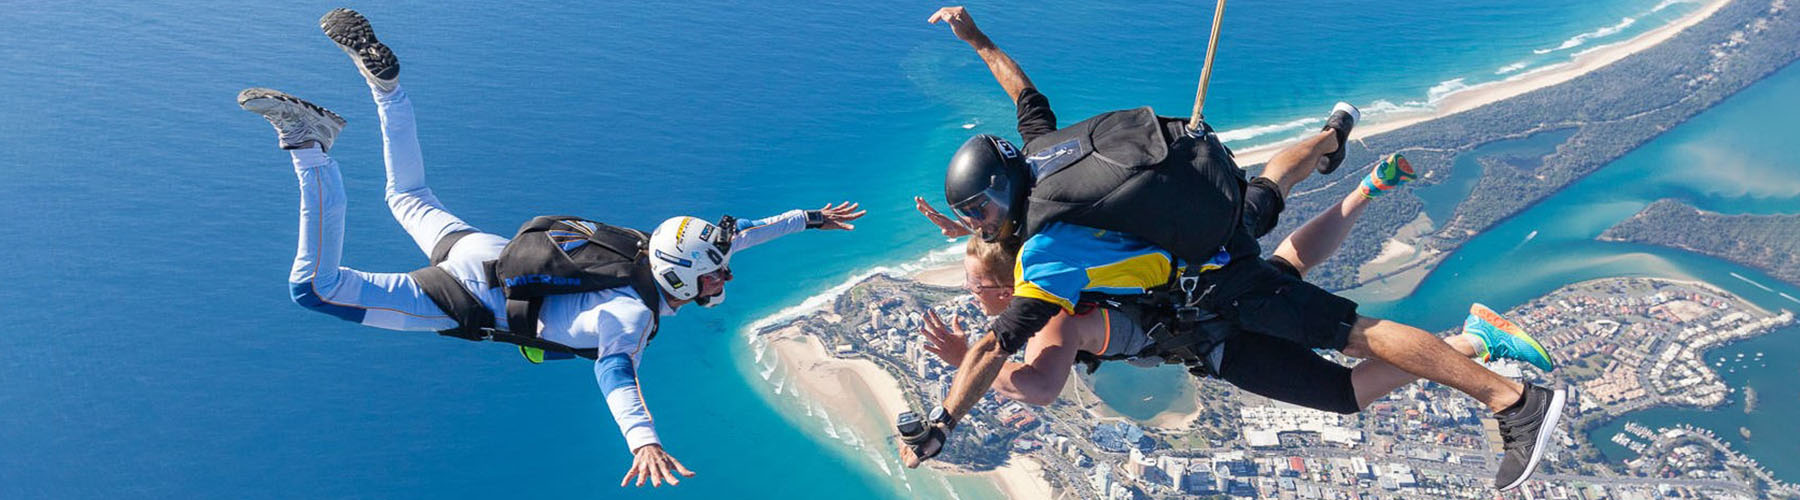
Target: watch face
<point x="938" y="415"/>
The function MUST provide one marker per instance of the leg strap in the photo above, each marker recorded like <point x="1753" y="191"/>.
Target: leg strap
<point x="471" y="317"/>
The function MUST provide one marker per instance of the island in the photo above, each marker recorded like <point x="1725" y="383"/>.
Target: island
<point x="1770" y="243"/>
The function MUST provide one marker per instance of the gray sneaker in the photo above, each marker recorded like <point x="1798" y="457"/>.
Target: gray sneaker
<point x="352" y="33"/>
<point x="299" y="124"/>
<point x="1525" y="432"/>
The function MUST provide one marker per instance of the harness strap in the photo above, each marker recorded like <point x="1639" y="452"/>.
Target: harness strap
<point x="441" y="251"/>
<point x="474" y="322"/>
<point x="472" y="318"/>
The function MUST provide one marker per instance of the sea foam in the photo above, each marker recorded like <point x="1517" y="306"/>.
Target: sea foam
<point x="1581" y="39"/>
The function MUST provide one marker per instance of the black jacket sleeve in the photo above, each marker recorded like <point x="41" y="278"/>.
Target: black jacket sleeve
<point x="1022" y="319"/>
<point x="1035" y="117"/>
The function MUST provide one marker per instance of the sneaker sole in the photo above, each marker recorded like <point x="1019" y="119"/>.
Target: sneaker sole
<point x="1513" y="329"/>
<point x="1349" y="109"/>
<point x="247" y="100"/>
<point x="1546" y="430"/>
<point x="347" y="28"/>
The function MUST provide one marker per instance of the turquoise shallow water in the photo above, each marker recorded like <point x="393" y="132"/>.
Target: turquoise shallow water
<point x="155" y="353"/>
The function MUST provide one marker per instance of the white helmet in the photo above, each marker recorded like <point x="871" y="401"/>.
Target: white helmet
<point x="682" y="249"/>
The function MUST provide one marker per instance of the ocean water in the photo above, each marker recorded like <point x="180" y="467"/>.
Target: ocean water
<point x="156" y="354"/>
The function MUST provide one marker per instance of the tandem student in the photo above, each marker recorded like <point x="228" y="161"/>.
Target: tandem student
<point x="1132" y="205"/>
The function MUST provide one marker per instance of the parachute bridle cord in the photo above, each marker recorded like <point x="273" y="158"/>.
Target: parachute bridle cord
<point x="1212" y="46"/>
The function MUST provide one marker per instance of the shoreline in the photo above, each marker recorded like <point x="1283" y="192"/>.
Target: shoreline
<point x="859" y="395"/>
<point x="1579" y="64"/>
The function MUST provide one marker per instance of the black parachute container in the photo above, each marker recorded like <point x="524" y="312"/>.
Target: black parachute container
<point x="1138" y="173"/>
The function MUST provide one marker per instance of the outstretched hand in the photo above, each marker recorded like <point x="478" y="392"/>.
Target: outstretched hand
<point x="911" y="458"/>
<point x="839" y="217"/>
<point x="950" y="227"/>
<point x="960" y="23"/>
<point x="944" y="338"/>
<point x="652" y="463"/>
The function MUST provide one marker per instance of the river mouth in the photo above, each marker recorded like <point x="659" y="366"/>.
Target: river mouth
<point x="1553" y="244"/>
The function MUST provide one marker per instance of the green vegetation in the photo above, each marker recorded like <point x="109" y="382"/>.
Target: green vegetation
<point x="1770" y="243"/>
<point x="1612" y="111"/>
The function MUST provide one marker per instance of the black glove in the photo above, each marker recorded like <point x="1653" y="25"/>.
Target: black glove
<point x="929" y="443"/>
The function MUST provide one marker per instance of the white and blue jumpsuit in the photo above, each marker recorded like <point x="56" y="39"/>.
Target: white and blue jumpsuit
<point x="616" y="321"/>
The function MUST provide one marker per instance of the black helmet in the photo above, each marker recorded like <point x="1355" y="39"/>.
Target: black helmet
<point x="987" y="184"/>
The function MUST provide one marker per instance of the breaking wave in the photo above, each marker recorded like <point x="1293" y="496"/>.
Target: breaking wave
<point x="1581" y="39"/>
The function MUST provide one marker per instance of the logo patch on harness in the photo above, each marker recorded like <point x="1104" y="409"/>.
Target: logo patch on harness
<point x="1046" y="162"/>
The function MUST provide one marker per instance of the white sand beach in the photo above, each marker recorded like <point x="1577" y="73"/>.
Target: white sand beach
<point x="862" y="396"/>
<point x="1484" y="94"/>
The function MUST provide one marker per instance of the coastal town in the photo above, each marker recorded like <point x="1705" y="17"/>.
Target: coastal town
<point x="1622" y="344"/>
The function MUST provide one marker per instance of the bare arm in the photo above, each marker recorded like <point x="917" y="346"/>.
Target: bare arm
<point x="979" y="369"/>
<point x="1017" y="328"/>
<point x="976" y="373"/>
<point x="1049" y="359"/>
<point x="1036" y="381"/>
<point x="1005" y="70"/>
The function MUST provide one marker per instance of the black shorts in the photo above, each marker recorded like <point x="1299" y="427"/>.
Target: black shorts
<point x="1262" y="206"/>
<point x="1288" y="372"/>
<point x="1267" y="366"/>
<point x="1268" y="297"/>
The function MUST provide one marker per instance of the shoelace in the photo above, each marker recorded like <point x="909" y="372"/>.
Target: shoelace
<point x="1512" y="432"/>
<point x="293" y="124"/>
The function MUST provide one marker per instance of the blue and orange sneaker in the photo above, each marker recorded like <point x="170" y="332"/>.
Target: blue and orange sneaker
<point x="1393" y="172"/>
<point x="1503" y="339"/>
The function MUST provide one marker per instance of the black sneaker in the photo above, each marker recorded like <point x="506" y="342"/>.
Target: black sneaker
<point x="298" y="124"/>
<point x="1525" y="430"/>
<point x="1343" y="118"/>
<point x="352" y="33"/>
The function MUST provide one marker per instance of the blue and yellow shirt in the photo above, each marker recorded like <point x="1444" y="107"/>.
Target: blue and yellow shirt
<point x="1063" y="260"/>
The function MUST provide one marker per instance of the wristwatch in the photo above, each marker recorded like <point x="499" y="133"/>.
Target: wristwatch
<point x="815" y="219"/>
<point x="939" y="416"/>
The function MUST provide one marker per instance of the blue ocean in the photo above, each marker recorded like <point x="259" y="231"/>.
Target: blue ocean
<point x="159" y="355"/>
